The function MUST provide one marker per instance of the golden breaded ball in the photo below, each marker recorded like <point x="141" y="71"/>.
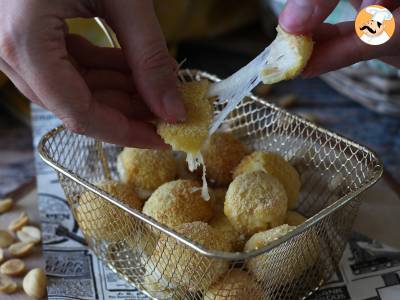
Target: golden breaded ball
<point x="235" y="285"/>
<point x="254" y="202"/>
<point x="184" y="267"/>
<point x="221" y="154"/>
<point x="153" y="286"/>
<point x="282" y="264"/>
<point x="288" y="56"/>
<point x="277" y="166"/>
<point x="146" y="169"/>
<point x="221" y="223"/>
<point x="190" y="135"/>
<point x="293" y="218"/>
<point x="178" y="202"/>
<point x="103" y="220"/>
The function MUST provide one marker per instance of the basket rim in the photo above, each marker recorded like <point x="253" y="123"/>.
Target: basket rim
<point x="345" y="199"/>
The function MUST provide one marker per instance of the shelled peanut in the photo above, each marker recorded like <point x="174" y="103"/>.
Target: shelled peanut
<point x="17" y="241"/>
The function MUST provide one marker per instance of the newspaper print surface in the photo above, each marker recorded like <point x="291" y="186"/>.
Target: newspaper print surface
<point x="369" y="270"/>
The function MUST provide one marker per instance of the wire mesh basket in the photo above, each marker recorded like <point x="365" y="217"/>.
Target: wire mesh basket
<point x="165" y="265"/>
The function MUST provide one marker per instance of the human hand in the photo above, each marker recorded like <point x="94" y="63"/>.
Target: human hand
<point x="109" y="94"/>
<point x="337" y="45"/>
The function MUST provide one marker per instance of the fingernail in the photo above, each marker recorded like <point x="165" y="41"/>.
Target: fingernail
<point x="173" y="106"/>
<point x="296" y="14"/>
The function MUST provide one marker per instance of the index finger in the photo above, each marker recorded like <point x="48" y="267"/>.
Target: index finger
<point x="153" y="69"/>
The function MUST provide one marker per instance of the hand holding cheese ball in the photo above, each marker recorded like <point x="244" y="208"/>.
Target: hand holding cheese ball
<point x="106" y="93"/>
<point x="337" y="45"/>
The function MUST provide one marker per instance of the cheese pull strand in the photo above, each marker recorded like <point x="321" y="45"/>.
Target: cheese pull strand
<point x="194" y="161"/>
<point x="284" y="59"/>
<point x="237" y="86"/>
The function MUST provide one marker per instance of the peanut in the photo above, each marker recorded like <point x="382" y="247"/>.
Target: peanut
<point x="12" y="267"/>
<point x="5" y="205"/>
<point x="7" y="285"/>
<point x="34" y="283"/>
<point x="21" y="249"/>
<point x="5" y="239"/>
<point x="29" y="234"/>
<point x="19" y="222"/>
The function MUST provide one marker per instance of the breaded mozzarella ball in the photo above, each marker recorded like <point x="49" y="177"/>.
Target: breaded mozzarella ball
<point x="178" y="202"/>
<point x="282" y="264"/>
<point x="146" y="169"/>
<point x="186" y="268"/>
<point x="221" y="154"/>
<point x="277" y="166"/>
<point x="235" y="285"/>
<point x="102" y="220"/>
<point x="254" y="202"/>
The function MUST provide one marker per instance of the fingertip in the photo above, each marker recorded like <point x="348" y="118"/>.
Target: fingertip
<point x="173" y="107"/>
<point x="295" y="16"/>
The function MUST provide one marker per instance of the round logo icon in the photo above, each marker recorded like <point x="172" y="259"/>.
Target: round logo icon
<point x="375" y="25"/>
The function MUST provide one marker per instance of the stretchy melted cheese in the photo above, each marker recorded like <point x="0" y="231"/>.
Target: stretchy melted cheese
<point x="190" y="136"/>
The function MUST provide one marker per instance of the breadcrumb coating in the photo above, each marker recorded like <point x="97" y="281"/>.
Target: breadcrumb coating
<point x="293" y="218"/>
<point x="101" y="219"/>
<point x="264" y="238"/>
<point x="221" y="223"/>
<point x="254" y="202"/>
<point x="178" y="202"/>
<point x="221" y="154"/>
<point x="288" y="57"/>
<point x="283" y="264"/>
<point x="156" y="289"/>
<point x="278" y="167"/>
<point x="235" y="285"/>
<point x="186" y="268"/>
<point x="190" y="135"/>
<point x="146" y="169"/>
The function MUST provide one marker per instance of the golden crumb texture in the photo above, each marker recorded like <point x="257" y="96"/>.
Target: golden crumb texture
<point x="254" y="202"/>
<point x="276" y="166"/>
<point x="146" y="169"/>
<point x="190" y="135"/>
<point x="221" y="154"/>
<point x="178" y="202"/>
<point x="296" y="50"/>
<point x="183" y="266"/>
<point x="235" y="285"/>
<point x="101" y="219"/>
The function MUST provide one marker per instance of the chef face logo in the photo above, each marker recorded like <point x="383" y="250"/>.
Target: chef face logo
<point x="375" y="25"/>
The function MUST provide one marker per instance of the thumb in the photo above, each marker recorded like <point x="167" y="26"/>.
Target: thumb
<point x="304" y="16"/>
<point x="153" y="69"/>
<point x="345" y="48"/>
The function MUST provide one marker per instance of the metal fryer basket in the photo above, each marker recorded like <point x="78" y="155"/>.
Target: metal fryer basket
<point x="334" y="171"/>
